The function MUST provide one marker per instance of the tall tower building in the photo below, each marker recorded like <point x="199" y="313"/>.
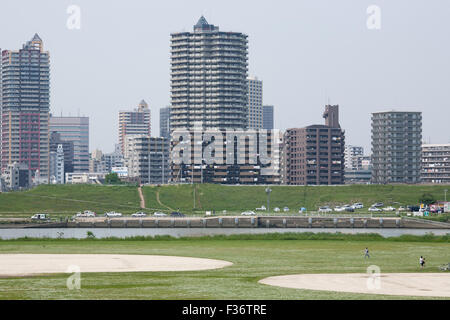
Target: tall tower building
<point x="208" y="78"/>
<point x="25" y="104"/>
<point x="76" y="130"/>
<point x="255" y="103"/>
<point x="396" y="147"/>
<point x="268" y="117"/>
<point x="137" y="121"/>
<point x="164" y="123"/>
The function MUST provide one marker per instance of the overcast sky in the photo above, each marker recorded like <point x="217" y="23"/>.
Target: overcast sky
<point x="306" y="52"/>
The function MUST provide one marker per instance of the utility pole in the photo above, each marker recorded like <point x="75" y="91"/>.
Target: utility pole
<point x="268" y="191"/>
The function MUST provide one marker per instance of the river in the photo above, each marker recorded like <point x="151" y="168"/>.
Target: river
<point x="81" y="233"/>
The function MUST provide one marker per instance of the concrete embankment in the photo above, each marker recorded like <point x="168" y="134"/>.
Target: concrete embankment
<point x="242" y="222"/>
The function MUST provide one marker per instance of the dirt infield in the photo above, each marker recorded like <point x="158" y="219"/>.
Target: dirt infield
<point x="404" y="284"/>
<point x="32" y="264"/>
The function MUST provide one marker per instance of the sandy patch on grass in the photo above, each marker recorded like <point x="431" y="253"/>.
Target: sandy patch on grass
<point x="404" y="284"/>
<point x="32" y="264"/>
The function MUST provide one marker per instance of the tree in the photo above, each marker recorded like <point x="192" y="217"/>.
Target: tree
<point x="427" y="199"/>
<point x="112" y="178"/>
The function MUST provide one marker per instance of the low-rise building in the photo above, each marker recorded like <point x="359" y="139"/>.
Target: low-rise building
<point x="85" y="177"/>
<point x="16" y="176"/>
<point x="147" y="158"/>
<point x="435" y="163"/>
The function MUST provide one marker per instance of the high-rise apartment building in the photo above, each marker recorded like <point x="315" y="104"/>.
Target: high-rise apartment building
<point x="267" y="117"/>
<point x="137" y="121"/>
<point x="75" y="129"/>
<point x="435" y="163"/>
<point x="396" y="147"/>
<point x="314" y="155"/>
<point x="164" y="122"/>
<point x="25" y="104"/>
<point x="255" y="103"/>
<point x="208" y="78"/>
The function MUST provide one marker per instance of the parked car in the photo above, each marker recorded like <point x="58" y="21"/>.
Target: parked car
<point x="113" y="214"/>
<point x="339" y="209"/>
<point x="276" y="209"/>
<point x="262" y="208"/>
<point x="177" y="214"/>
<point x="248" y="213"/>
<point x="349" y="209"/>
<point x="378" y="205"/>
<point x="85" y="214"/>
<point x="374" y="209"/>
<point x="401" y="208"/>
<point x="413" y="208"/>
<point x="390" y="208"/>
<point x="159" y="214"/>
<point x="358" y="205"/>
<point x="40" y="216"/>
<point x="139" y="215"/>
<point x="325" y="209"/>
<point x="286" y="209"/>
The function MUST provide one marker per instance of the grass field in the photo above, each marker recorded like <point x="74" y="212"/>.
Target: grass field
<point x="66" y="200"/>
<point x="240" y="198"/>
<point x="254" y="258"/>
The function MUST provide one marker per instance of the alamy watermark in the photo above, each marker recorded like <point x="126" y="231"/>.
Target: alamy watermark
<point x="74" y="19"/>
<point x="74" y="281"/>
<point x="374" y="19"/>
<point x="374" y="280"/>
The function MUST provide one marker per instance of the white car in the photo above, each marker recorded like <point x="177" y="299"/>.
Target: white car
<point x="159" y="214"/>
<point x="248" y="213"/>
<point x="285" y="209"/>
<point x="112" y="214"/>
<point x="374" y="209"/>
<point x="139" y="215"/>
<point x="40" y="216"/>
<point x="357" y="205"/>
<point x="325" y="209"/>
<point x="276" y="209"/>
<point x="389" y="209"/>
<point x="339" y="209"/>
<point x="263" y="208"/>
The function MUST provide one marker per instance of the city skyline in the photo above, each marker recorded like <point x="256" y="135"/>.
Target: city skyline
<point x="402" y="66"/>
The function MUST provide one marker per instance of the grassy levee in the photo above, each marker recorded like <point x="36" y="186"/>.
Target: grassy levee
<point x="69" y="199"/>
<point x="240" y="198"/>
<point x="253" y="258"/>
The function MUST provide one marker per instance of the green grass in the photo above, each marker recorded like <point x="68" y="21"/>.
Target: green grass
<point x="69" y="199"/>
<point x="240" y="198"/>
<point x="253" y="258"/>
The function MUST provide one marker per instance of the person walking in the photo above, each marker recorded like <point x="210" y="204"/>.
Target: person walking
<point x="366" y="253"/>
<point x="422" y="262"/>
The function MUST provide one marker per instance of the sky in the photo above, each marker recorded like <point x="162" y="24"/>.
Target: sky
<point x="307" y="52"/>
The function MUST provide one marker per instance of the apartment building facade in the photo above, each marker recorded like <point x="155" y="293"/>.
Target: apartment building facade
<point x="435" y="163"/>
<point x="147" y="158"/>
<point x="208" y="78"/>
<point x="25" y="104"/>
<point x="137" y="121"/>
<point x="314" y="155"/>
<point x="396" y="147"/>
<point x="255" y="103"/>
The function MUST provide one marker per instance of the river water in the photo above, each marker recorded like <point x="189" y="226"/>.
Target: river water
<point x="81" y="233"/>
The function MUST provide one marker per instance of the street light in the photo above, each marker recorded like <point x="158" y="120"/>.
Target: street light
<point x="268" y="191"/>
